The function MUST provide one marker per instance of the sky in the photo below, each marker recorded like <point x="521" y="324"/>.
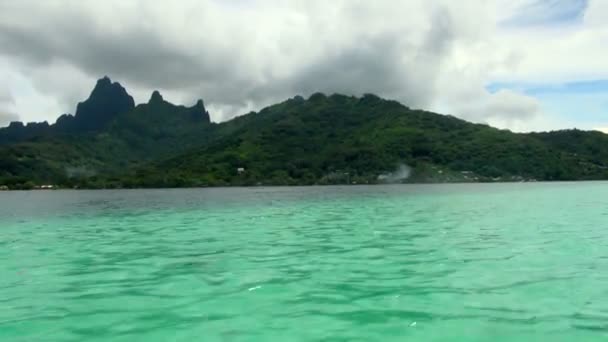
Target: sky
<point x="524" y="65"/>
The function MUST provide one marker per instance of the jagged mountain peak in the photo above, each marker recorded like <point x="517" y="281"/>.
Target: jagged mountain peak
<point x="199" y="112"/>
<point x="156" y="97"/>
<point x="107" y="100"/>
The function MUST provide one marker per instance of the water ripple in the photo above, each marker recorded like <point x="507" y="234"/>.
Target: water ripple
<point x="475" y="263"/>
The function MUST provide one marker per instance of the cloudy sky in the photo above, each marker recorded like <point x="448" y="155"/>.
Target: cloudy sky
<point x="518" y="64"/>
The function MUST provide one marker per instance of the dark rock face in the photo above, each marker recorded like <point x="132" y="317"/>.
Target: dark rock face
<point x="198" y="112"/>
<point x="65" y="123"/>
<point x="17" y="131"/>
<point x="156" y="98"/>
<point x="14" y="131"/>
<point x="16" y="125"/>
<point x="106" y="102"/>
<point x="317" y="97"/>
<point x="109" y="105"/>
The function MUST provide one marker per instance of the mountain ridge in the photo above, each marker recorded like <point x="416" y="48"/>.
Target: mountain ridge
<point x="107" y="102"/>
<point x="324" y="139"/>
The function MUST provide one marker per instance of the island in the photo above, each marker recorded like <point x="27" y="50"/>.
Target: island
<point x="110" y="142"/>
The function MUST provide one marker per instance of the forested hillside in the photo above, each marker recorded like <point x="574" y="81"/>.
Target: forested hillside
<point x="334" y="139"/>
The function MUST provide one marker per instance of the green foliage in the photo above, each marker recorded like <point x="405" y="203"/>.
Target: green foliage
<point x="339" y="139"/>
<point x="323" y="140"/>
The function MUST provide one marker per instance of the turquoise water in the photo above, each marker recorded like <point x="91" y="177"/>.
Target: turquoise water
<point x="485" y="262"/>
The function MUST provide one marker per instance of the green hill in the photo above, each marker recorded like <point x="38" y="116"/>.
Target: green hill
<point x="320" y="140"/>
<point x="340" y="139"/>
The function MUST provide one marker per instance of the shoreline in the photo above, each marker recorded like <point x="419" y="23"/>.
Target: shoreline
<point x="302" y="185"/>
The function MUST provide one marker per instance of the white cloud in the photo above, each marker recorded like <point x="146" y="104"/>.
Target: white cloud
<point x="6" y="97"/>
<point x="602" y="129"/>
<point x="242" y="55"/>
<point x="559" y="53"/>
<point x="7" y="117"/>
<point x="7" y="104"/>
<point x="597" y="14"/>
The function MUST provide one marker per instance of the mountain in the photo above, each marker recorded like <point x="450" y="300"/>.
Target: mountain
<point x="107" y="101"/>
<point x="108" y="134"/>
<point x="324" y="139"/>
<point x="17" y="131"/>
<point x="338" y="139"/>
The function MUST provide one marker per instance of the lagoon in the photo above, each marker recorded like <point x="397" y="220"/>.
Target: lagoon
<point x="456" y="262"/>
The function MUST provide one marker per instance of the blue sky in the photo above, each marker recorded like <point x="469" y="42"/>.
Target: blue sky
<point x="585" y="102"/>
<point x="578" y="98"/>
<point x="547" y="13"/>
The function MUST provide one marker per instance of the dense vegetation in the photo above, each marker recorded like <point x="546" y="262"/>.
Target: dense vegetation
<point x="320" y="140"/>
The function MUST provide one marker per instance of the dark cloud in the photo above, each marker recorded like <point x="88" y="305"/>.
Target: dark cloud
<point x="372" y="66"/>
<point x="138" y="56"/>
<point x="380" y="62"/>
<point x="242" y="56"/>
<point x="385" y="64"/>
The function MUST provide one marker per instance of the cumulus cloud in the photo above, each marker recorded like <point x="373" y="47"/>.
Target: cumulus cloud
<point x="7" y="117"/>
<point x="5" y="96"/>
<point x="505" y="108"/>
<point x="242" y="55"/>
<point x="7" y="104"/>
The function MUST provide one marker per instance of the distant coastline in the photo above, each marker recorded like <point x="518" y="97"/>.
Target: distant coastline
<point x="261" y="185"/>
<point x="321" y="140"/>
